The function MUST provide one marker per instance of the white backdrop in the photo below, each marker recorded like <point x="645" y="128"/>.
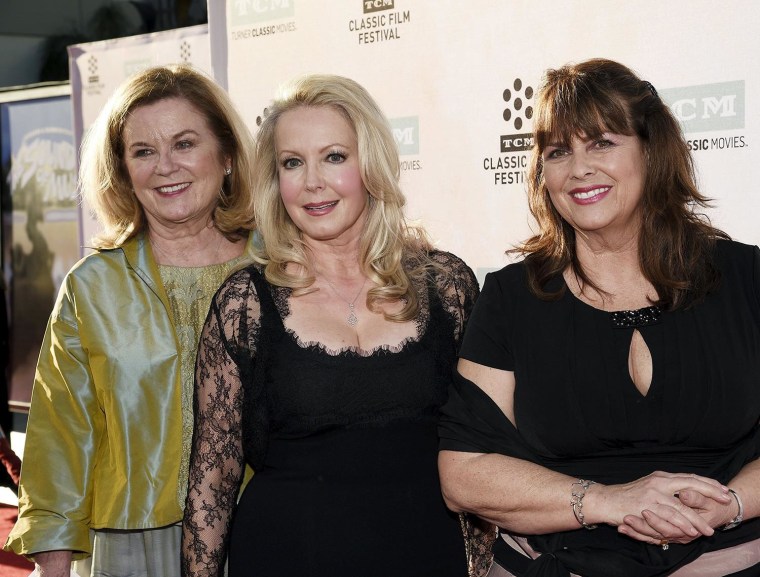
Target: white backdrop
<point x="457" y="79"/>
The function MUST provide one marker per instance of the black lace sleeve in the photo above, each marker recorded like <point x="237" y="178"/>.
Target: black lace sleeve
<point x="457" y="287"/>
<point x="226" y="351"/>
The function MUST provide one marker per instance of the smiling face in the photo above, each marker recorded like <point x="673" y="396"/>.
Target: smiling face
<point x="597" y="185"/>
<point x="174" y="163"/>
<point x="319" y="176"/>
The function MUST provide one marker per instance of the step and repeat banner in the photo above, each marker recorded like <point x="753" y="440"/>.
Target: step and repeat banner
<point x="457" y="80"/>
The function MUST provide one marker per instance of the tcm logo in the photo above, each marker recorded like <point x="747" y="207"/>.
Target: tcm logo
<point x="516" y="142"/>
<point x="708" y="106"/>
<point x="406" y="134"/>
<point x="518" y="111"/>
<point x="377" y="5"/>
<point x="252" y="11"/>
<point x="518" y="104"/>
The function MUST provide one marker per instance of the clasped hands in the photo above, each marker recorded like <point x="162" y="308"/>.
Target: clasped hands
<point x="670" y="508"/>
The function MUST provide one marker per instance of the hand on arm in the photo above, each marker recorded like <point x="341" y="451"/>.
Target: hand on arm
<point x="661" y="513"/>
<point x="715" y="510"/>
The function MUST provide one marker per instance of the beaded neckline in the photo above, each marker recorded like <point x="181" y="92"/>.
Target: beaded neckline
<point x="638" y="318"/>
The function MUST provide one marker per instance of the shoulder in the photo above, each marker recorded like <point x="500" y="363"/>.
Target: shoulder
<point x="246" y="272"/>
<point x="448" y="261"/>
<point x="513" y="275"/>
<point x="737" y="262"/>
<point x="449" y="270"/>
<point x="735" y="258"/>
<point x="248" y="278"/>
<point x="732" y="250"/>
<point x="97" y="264"/>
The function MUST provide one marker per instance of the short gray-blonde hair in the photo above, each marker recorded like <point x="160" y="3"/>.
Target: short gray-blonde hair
<point x="104" y="182"/>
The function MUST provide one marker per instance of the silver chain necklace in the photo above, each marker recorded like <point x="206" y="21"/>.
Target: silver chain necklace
<point x="352" y="319"/>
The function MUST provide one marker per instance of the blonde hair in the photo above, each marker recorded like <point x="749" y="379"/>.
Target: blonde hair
<point x="104" y="183"/>
<point x="391" y="250"/>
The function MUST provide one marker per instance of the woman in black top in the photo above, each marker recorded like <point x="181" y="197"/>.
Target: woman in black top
<point x="606" y="408"/>
<point x="325" y="366"/>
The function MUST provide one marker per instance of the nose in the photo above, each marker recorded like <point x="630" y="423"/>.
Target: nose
<point x="313" y="178"/>
<point x="581" y="165"/>
<point x="165" y="163"/>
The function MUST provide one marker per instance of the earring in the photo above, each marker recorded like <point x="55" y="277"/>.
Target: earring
<point x="228" y="171"/>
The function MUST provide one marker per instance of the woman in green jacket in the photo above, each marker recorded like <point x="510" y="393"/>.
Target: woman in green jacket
<point x="166" y="170"/>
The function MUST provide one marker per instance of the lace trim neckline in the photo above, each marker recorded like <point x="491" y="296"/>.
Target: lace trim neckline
<point x="422" y="323"/>
<point x="355" y="351"/>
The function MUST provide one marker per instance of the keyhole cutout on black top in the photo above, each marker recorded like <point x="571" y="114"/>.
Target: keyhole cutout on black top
<point x="640" y="363"/>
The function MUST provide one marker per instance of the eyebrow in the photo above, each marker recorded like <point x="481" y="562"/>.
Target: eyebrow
<point x="177" y="136"/>
<point x="321" y="150"/>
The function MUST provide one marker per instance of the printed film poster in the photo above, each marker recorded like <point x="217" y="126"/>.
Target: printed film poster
<point x="40" y="220"/>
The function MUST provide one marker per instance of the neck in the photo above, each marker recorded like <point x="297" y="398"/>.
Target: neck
<point x="615" y="269"/>
<point x="339" y="262"/>
<point x="202" y="247"/>
<point x="593" y="255"/>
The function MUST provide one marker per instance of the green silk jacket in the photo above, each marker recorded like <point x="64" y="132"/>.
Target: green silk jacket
<point x="104" y="436"/>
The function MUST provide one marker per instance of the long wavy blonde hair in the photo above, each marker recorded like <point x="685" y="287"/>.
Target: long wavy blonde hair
<point x="104" y="182"/>
<point x="392" y="252"/>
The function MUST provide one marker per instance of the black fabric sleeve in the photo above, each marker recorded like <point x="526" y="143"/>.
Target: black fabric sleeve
<point x="486" y="340"/>
<point x="471" y="422"/>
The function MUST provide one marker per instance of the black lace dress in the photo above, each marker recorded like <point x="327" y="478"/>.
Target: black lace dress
<point x="344" y="443"/>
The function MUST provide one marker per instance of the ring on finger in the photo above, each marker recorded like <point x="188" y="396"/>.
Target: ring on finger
<point x="664" y="544"/>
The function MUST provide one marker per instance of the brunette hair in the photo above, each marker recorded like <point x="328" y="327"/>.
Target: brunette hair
<point x="392" y="251"/>
<point x="675" y="241"/>
<point x="103" y="179"/>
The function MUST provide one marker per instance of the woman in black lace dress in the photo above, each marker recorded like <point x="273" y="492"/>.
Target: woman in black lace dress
<point x="325" y="365"/>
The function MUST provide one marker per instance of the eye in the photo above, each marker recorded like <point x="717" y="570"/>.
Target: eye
<point x="184" y="144"/>
<point x="141" y="152"/>
<point x="291" y="163"/>
<point x="555" y="152"/>
<point x="336" y="157"/>
<point x="604" y="143"/>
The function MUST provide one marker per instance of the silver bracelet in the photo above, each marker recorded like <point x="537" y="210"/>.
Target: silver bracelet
<point x="577" y="502"/>
<point x="736" y="521"/>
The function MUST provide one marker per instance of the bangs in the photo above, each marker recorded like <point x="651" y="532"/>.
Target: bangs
<point x="574" y="107"/>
